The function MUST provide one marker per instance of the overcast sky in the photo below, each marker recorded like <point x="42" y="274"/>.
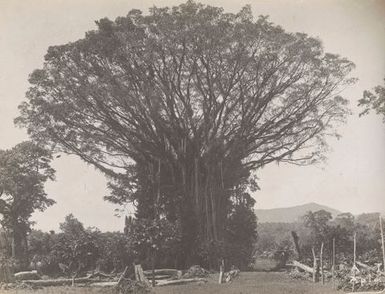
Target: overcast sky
<point x="353" y="178"/>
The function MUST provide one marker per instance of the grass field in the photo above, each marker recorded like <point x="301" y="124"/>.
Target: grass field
<point x="246" y="283"/>
<point x="252" y="283"/>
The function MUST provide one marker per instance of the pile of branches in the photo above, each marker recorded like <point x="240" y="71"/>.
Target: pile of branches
<point x="196" y="271"/>
<point x="18" y="286"/>
<point x="296" y="274"/>
<point x="128" y="286"/>
<point x="360" y="278"/>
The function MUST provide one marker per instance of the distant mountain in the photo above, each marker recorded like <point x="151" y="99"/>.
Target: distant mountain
<point x="290" y="214"/>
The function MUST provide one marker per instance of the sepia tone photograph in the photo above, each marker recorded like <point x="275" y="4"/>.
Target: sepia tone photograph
<point x="192" y="146"/>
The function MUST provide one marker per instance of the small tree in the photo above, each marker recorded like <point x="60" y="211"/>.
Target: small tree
<point x="318" y="223"/>
<point x="40" y="245"/>
<point x="76" y="248"/>
<point x="24" y="170"/>
<point x="114" y="251"/>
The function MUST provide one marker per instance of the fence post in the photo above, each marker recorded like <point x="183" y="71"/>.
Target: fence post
<point x="383" y="245"/>
<point x="321" y="263"/>
<point x="334" y="262"/>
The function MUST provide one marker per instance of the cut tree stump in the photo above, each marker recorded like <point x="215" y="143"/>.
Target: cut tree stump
<point x="122" y="276"/>
<point x="221" y="271"/>
<point x="140" y="274"/>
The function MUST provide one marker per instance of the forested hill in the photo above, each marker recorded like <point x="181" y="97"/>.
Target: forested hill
<point x="290" y="214"/>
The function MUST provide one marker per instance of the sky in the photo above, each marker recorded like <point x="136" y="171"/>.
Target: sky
<point x="352" y="179"/>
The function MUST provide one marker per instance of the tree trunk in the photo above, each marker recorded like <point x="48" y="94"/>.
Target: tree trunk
<point x="296" y="243"/>
<point x="13" y="247"/>
<point x="202" y="214"/>
<point x="315" y="266"/>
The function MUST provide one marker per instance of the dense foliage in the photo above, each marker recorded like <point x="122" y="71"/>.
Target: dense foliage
<point x="24" y="170"/>
<point x="318" y="227"/>
<point x="155" y="241"/>
<point x="76" y="249"/>
<point x="180" y="106"/>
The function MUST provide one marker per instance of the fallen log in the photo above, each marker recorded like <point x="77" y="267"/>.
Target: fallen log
<point x="163" y="277"/>
<point x="180" y="282"/>
<point x="306" y="268"/>
<point x="365" y="266"/>
<point x="302" y="266"/>
<point x="27" y="275"/>
<point x="170" y="272"/>
<point x="104" y="284"/>
<point x="100" y="275"/>
<point x="58" y="282"/>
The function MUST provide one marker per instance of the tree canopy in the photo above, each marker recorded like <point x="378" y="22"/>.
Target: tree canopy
<point x="180" y="106"/>
<point x="24" y="170"/>
<point x="374" y="101"/>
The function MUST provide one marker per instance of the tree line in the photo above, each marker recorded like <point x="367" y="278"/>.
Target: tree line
<point x="318" y="227"/>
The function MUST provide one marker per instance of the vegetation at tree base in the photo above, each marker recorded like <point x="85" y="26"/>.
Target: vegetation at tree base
<point x="154" y="241"/>
<point x="24" y="170"/>
<point x="241" y="231"/>
<point x="374" y="101"/>
<point x="77" y="249"/>
<point x="180" y="107"/>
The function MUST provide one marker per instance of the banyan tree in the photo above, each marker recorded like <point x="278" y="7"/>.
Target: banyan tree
<point x="185" y="104"/>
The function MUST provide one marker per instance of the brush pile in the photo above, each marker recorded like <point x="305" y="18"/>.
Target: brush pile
<point x="360" y="278"/>
<point x="196" y="271"/>
<point x="296" y="274"/>
<point x="128" y="286"/>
